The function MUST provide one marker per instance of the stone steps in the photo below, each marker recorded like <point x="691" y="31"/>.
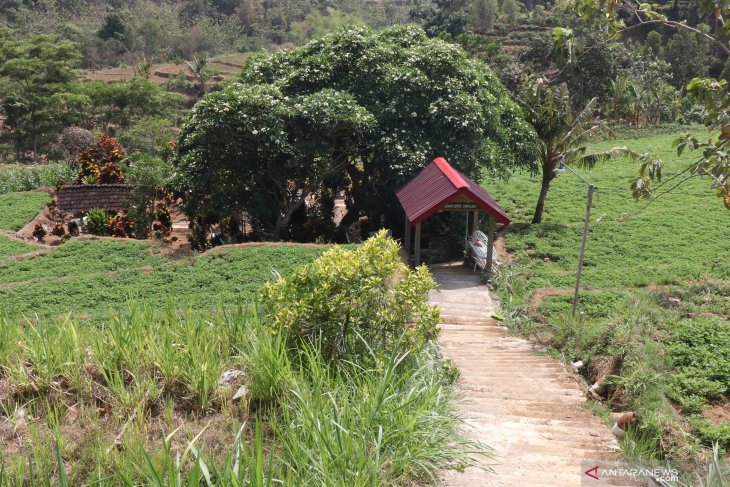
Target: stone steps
<point x="525" y="405"/>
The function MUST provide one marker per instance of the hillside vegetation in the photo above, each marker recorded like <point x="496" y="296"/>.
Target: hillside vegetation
<point x="89" y="278"/>
<point x="271" y="363"/>
<point x="655" y="297"/>
<point x="209" y="387"/>
<point x="17" y="209"/>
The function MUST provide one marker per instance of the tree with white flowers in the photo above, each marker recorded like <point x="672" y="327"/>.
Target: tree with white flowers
<point x="356" y="110"/>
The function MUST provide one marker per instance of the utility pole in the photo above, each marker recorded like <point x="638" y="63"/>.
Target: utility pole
<point x="591" y="189"/>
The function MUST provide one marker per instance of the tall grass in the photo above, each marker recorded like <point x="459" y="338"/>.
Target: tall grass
<point x="137" y="401"/>
<point x="381" y="426"/>
<point x="343" y="427"/>
<point x="27" y="178"/>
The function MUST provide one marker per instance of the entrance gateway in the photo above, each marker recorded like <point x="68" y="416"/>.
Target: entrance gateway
<point x="440" y="187"/>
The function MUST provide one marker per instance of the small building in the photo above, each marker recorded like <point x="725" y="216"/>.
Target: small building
<point x="80" y="198"/>
<point x="440" y="187"/>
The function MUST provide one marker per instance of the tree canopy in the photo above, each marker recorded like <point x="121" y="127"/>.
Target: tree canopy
<point x="359" y="111"/>
<point x="35" y="76"/>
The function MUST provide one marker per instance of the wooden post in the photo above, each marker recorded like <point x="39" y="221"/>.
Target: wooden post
<point x="490" y="245"/>
<point x="407" y="238"/>
<point x="417" y="259"/>
<point x="591" y="188"/>
<point x="466" y="237"/>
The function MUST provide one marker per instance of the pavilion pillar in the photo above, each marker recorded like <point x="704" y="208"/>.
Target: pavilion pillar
<point x="466" y="236"/>
<point x="407" y="238"/>
<point x="417" y="258"/>
<point x="490" y="245"/>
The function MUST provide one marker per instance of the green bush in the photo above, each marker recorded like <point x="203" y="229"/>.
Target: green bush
<point x="148" y="135"/>
<point x="97" y="222"/>
<point x="147" y="176"/>
<point x="350" y="300"/>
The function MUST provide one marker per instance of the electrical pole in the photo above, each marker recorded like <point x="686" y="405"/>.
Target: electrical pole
<point x="591" y="189"/>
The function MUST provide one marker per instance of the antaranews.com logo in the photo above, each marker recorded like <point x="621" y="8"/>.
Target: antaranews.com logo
<point x="602" y="472"/>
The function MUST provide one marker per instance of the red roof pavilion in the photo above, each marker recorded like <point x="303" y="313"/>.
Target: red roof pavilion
<point x="441" y="187"/>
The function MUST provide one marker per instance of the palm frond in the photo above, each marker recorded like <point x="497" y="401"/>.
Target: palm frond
<point x="581" y="135"/>
<point x="586" y="115"/>
<point x="583" y="127"/>
<point x="588" y="161"/>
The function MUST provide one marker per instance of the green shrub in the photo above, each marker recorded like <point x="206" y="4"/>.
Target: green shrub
<point x="148" y="135"/>
<point x="97" y="222"/>
<point x="348" y="300"/>
<point x="147" y="176"/>
<point x="710" y="433"/>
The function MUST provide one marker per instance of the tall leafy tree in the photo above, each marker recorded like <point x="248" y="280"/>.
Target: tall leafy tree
<point x="485" y="13"/>
<point x="113" y="28"/>
<point x="123" y="102"/>
<point x="562" y="133"/>
<point x="388" y="103"/>
<point x="36" y="75"/>
<point x="251" y="148"/>
<point x="442" y="16"/>
<point x="686" y="54"/>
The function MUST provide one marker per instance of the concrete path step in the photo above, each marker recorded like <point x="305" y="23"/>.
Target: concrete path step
<point x="524" y="404"/>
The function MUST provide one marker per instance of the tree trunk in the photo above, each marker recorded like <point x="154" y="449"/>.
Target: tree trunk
<point x="35" y="138"/>
<point x="282" y="220"/>
<point x="354" y="196"/>
<point x="547" y="176"/>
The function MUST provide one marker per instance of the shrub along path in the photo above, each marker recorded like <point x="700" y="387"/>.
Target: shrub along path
<point x="525" y="406"/>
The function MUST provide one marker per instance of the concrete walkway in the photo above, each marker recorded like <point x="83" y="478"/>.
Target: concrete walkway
<point x="525" y="406"/>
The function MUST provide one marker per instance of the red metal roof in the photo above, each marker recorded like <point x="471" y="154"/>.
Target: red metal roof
<point x="437" y="185"/>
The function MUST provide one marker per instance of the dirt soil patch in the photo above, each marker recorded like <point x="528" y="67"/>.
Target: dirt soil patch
<point x="538" y="297"/>
<point x="718" y="413"/>
<point x="500" y="245"/>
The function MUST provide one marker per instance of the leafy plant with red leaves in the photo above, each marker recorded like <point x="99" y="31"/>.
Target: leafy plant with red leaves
<point x="162" y="225"/>
<point x="121" y="225"/>
<point x="39" y="232"/>
<point x="58" y="230"/>
<point x="73" y="228"/>
<point x="99" y="164"/>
